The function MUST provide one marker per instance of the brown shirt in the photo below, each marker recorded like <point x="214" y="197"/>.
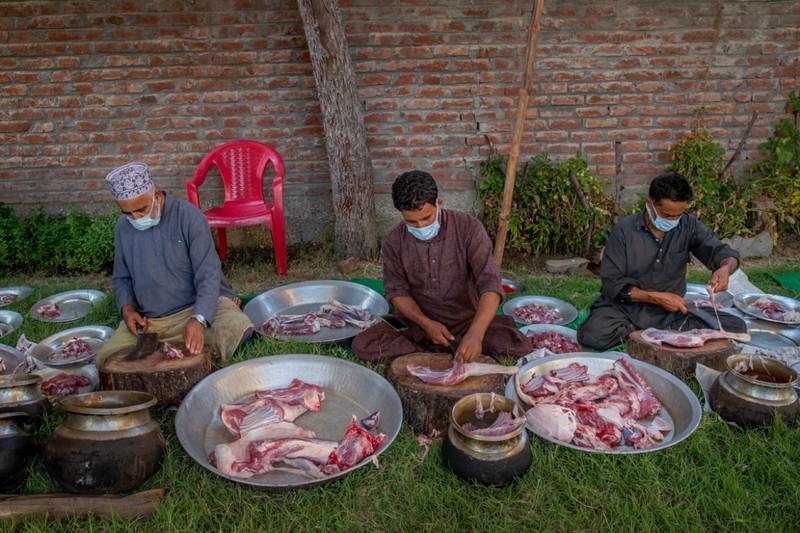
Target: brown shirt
<point x="445" y="275"/>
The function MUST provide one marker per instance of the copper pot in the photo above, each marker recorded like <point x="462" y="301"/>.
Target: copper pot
<point x="753" y="396"/>
<point x="22" y="393"/>
<point x="107" y="442"/>
<point x="490" y="460"/>
<point x="17" y="449"/>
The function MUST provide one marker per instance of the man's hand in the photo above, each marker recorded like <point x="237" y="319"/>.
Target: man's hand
<point x="131" y="317"/>
<point x="669" y="301"/>
<point x="719" y="279"/>
<point x="437" y="333"/>
<point x="470" y="348"/>
<point x="194" y="336"/>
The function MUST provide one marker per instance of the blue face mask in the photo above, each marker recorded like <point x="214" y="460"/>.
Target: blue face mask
<point x="662" y="223"/>
<point x="428" y="232"/>
<point x="147" y="222"/>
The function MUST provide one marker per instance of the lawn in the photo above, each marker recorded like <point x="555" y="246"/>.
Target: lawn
<point x="721" y="478"/>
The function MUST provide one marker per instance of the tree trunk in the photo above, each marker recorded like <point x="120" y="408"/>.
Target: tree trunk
<point x="345" y="134"/>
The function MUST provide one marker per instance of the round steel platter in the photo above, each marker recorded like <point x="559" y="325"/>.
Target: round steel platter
<point x="10" y="321"/>
<point x="744" y="303"/>
<point x="300" y="298"/>
<point x="11" y="358"/>
<point x="74" y="305"/>
<point x="767" y="335"/>
<point x="698" y="292"/>
<point x="566" y="309"/>
<point x="95" y="336"/>
<point x="792" y="333"/>
<point x="18" y="293"/>
<point x="680" y="406"/>
<point x="542" y="328"/>
<point x="350" y="389"/>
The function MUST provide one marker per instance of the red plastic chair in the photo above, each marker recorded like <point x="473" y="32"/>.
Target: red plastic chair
<point x="241" y="165"/>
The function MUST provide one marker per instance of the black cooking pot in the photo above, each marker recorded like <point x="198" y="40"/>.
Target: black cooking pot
<point x="17" y="450"/>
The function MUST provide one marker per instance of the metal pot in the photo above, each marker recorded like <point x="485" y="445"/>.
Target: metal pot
<point x="22" y="393"/>
<point x="490" y="460"/>
<point x="107" y="442"/>
<point x="17" y="450"/>
<point x="752" y="398"/>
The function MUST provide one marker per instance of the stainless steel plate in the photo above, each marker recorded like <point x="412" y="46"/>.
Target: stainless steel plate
<point x="300" y="298"/>
<point x="567" y="310"/>
<point x="541" y="328"/>
<point x="11" y="358"/>
<point x="350" y="389"/>
<point x="74" y="305"/>
<point x="19" y="293"/>
<point x="510" y="286"/>
<point x="767" y="335"/>
<point x="9" y="321"/>
<point x="95" y="336"/>
<point x="792" y="333"/>
<point x="699" y="292"/>
<point x="680" y="405"/>
<point x="744" y="303"/>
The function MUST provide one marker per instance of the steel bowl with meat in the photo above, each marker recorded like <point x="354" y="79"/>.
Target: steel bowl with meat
<point x="556" y="339"/>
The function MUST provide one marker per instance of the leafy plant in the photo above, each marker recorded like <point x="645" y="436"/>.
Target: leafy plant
<point x="720" y="201"/>
<point x="778" y="172"/>
<point x="546" y="215"/>
<point x="53" y="244"/>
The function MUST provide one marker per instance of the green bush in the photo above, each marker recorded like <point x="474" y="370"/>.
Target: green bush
<point x="546" y="215"/>
<point x="56" y="244"/>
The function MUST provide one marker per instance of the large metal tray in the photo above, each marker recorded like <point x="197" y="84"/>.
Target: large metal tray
<point x="11" y="358"/>
<point x="95" y="336"/>
<point x="768" y="335"/>
<point x="350" y="389"/>
<point x="744" y="303"/>
<point x="680" y="405"/>
<point x="19" y="293"/>
<point x="696" y="291"/>
<point x="300" y="298"/>
<point x="10" y="321"/>
<point x="74" y="305"/>
<point x="568" y="311"/>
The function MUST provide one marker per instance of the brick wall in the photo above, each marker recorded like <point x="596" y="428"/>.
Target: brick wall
<point x="86" y="86"/>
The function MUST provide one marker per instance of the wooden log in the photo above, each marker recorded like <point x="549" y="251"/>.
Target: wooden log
<point x="72" y="505"/>
<point x="169" y="380"/>
<point x="427" y="407"/>
<point x="681" y="361"/>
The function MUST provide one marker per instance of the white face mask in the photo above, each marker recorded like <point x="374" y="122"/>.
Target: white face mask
<point x="428" y="232"/>
<point x="147" y="222"/>
<point x="662" y="223"/>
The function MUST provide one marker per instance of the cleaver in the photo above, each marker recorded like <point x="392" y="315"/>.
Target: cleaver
<point x="146" y="343"/>
<point x="454" y="344"/>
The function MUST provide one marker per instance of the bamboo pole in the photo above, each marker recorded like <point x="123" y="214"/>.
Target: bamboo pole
<point x="519" y="125"/>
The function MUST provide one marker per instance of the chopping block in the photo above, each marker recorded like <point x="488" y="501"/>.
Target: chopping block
<point x="169" y="380"/>
<point x="427" y="407"/>
<point x="681" y="361"/>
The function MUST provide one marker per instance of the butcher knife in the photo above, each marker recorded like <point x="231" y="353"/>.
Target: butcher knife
<point x="705" y="316"/>
<point x="454" y="344"/>
<point x="146" y="343"/>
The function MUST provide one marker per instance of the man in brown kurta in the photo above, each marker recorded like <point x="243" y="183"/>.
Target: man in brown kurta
<point x="439" y="274"/>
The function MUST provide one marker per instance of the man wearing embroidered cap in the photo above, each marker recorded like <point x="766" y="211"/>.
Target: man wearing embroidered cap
<point x="167" y="275"/>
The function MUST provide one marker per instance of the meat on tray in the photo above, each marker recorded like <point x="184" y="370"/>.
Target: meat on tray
<point x="458" y="372"/>
<point x="775" y="310"/>
<point x="552" y="341"/>
<point x="267" y="439"/>
<point x="537" y="314"/>
<point x="6" y="299"/>
<point x="64" y="384"/>
<point x="602" y="412"/>
<point x="692" y="338"/>
<point x="49" y="311"/>
<point x="4" y="329"/>
<point x="504" y="424"/>
<point x="332" y="315"/>
<point x="74" y="349"/>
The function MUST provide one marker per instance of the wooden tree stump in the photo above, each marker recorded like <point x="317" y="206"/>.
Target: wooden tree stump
<point x="427" y="407"/>
<point x="681" y="361"/>
<point x="169" y="380"/>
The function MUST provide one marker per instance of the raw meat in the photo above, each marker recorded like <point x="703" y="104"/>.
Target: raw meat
<point x="49" y="311"/>
<point x="64" y="384"/>
<point x="356" y="444"/>
<point x="699" y="304"/>
<point x="332" y="315"/>
<point x="372" y="421"/>
<point x="171" y="351"/>
<point x="227" y="454"/>
<point x="4" y="330"/>
<point x="504" y="424"/>
<point x="537" y="314"/>
<point x="302" y="456"/>
<point x="689" y="339"/>
<point x="6" y="299"/>
<point x="775" y="310"/>
<point x="74" y="349"/>
<point x="459" y="372"/>
<point x="552" y="341"/>
<point x="599" y="412"/>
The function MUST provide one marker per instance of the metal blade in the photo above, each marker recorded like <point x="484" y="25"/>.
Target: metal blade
<point x="146" y="343"/>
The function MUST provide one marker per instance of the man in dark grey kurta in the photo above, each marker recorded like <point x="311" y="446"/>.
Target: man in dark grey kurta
<point x="439" y="273"/>
<point x="643" y="269"/>
<point x="167" y="275"/>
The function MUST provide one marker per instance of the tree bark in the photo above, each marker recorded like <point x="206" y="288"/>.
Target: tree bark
<point x="345" y="134"/>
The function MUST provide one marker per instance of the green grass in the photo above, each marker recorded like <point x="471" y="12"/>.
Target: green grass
<point x="720" y="478"/>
